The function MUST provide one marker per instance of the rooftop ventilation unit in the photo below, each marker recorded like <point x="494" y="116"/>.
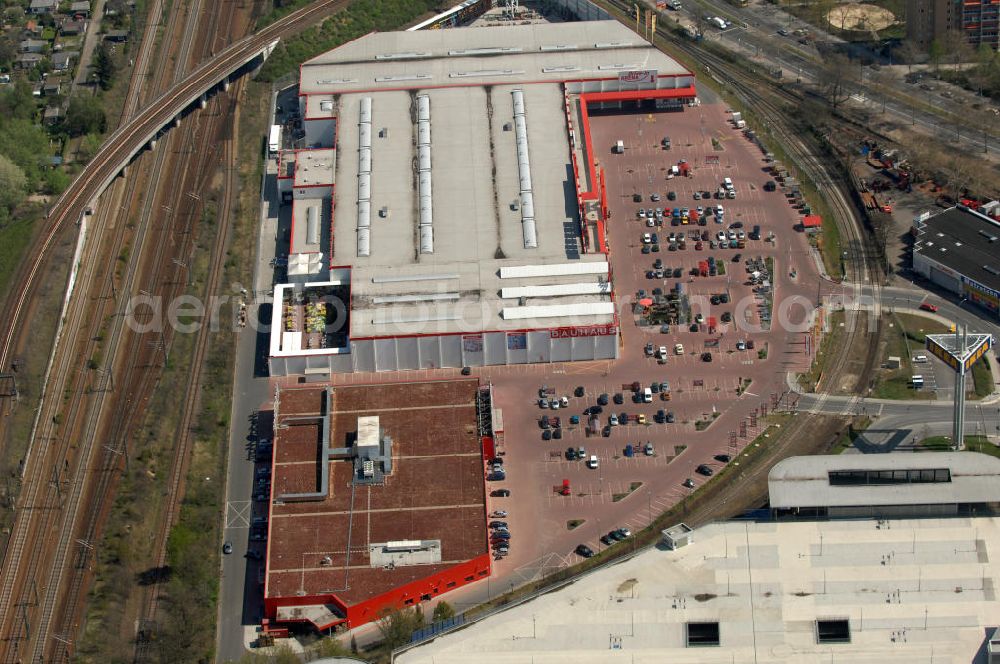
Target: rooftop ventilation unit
<point x="528" y="230"/>
<point x="425" y="195"/>
<point x="312" y="225"/>
<point x="364" y="176"/>
<point x="402" y="77"/>
<point x="498" y="50"/>
<point x="402" y="56"/>
<point x="557" y="47"/>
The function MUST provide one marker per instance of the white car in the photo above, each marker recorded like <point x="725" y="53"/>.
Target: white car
<point x="699" y="319"/>
<point x="663" y="351"/>
<point x="554" y="404"/>
<point x="613" y="420"/>
<point x="732" y="235"/>
<point x="647" y="238"/>
<point x="650" y="222"/>
<point x="678" y="349"/>
<point x="564" y="402"/>
<point x="741" y="345"/>
<point x="719" y="211"/>
<point x="642" y="213"/>
<point x="721" y="236"/>
<point x="592" y="462"/>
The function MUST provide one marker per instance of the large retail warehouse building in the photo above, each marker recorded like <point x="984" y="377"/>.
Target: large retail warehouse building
<point x="456" y="205"/>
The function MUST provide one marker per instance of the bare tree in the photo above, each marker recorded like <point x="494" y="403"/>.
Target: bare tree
<point x="909" y="53"/>
<point x="833" y="78"/>
<point x="956" y="47"/>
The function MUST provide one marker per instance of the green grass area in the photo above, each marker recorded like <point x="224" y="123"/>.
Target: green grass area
<point x="972" y="444"/>
<point x="15" y="236"/>
<point x="572" y="524"/>
<point x="982" y="379"/>
<point x="831" y="339"/>
<point x="902" y="340"/>
<point x="360" y="18"/>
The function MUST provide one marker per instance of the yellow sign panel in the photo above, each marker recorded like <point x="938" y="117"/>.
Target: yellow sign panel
<point x="978" y="353"/>
<point x="939" y="352"/>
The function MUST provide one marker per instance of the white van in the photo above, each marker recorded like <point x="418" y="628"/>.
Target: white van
<point x="647" y="395"/>
<point x="727" y="183"/>
<point x="920" y="359"/>
<point x="917" y="381"/>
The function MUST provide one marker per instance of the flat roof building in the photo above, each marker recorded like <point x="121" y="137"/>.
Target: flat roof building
<point x="959" y="250"/>
<point x="861" y="591"/>
<point x="882" y="485"/>
<point x="466" y="207"/>
<point x="373" y="504"/>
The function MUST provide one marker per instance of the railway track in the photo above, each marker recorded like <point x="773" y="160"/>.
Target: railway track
<point x="183" y="448"/>
<point x="767" y="101"/>
<point x="141" y="385"/>
<point x="20" y="568"/>
<point x="117" y="148"/>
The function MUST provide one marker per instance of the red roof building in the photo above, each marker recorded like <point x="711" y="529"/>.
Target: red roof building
<point x="375" y="505"/>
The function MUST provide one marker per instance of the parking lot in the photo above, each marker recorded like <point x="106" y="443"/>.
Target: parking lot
<point x="556" y="503"/>
<point x="709" y="417"/>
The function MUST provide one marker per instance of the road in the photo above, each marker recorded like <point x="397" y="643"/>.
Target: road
<point x="90" y="42"/>
<point x="759" y="41"/>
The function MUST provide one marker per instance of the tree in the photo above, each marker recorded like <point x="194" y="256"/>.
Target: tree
<point x="17" y="102"/>
<point x="8" y="52"/>
<point x="331" y="647"/>
<point x="84" y="116"/>
<point x="105" y="66"/>
<point x="397" y="626"/>
<point x="909" y="53"/>
<point x="936" y="53"/>
<point x="833" y="78"/>
<point x="956" y="47"/>
<point x="443" y="611"/>
<point x="986" y="67"/>
<point x="13" y="184"/>
<point x="89" y="145"/>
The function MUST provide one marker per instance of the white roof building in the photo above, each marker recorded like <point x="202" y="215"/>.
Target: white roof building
<point x="456" y="194"/>
<point x="865" y="592"/>
<point x="882" y="484"/>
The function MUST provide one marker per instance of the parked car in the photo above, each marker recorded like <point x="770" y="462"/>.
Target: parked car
<point x="648" y="449"/>
<point x="723" y="458"/>
<point x="500" y="493"/>
<point x="498" y="524"/>
<point x="927" y="306"/>
<point x="227" y="548"/>
<point x="689" y="483"/>
<point x="705" y="470"/>
<point x="584" y="550"/>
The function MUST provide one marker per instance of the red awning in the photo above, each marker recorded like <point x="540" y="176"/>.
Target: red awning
<point x="646" y="301"/>
<point x="812" y="221"/>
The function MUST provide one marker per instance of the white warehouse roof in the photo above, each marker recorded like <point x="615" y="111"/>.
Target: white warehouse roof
<point x="490" y="55"/>
<point x="804" y="481"/>
<point x="916" y="587"/>
<point x="453" y="160"/>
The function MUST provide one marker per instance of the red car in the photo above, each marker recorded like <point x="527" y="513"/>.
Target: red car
<point x="928" y="307"/>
